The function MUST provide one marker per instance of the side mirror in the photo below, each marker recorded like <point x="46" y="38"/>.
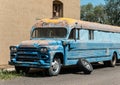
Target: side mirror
<point x="64" y="43"/>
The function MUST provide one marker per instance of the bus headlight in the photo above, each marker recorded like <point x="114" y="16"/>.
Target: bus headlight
<point x="43" y="50"/>
<point x="13" y="48"/>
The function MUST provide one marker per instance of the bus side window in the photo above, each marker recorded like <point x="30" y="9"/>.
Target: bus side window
<point x="83" y="34"/>
<point x="72" y="34"/>
<point x="91" y="34"/>
<point x="75" y="34"/>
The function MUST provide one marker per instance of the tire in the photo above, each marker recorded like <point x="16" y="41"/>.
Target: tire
<point x="112" y="62"/>
<point x="85" y="66"/>
<point x="26" y="70"/>
<point x="20" y="69"/>
<point x="17" y="69"/>
<point x="55" y="67"/>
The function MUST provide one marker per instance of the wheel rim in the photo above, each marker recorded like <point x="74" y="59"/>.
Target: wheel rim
<point x="114" y="60"/>
<point x="55" y="66"/>
<point x="87" y="65"/>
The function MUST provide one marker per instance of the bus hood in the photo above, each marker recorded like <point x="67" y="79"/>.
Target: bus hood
<point x="35" y="43"/>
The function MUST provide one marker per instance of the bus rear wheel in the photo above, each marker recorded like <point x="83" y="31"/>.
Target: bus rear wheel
<point x="112" y="62"/>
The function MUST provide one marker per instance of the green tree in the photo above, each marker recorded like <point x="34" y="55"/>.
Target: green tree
<point x="99" y="14"/>
<point x="87" y="12"/>
<point x="93" y="14"/>
<point x="112" y="9"/>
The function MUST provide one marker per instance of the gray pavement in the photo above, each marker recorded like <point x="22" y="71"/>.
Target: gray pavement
<point x="70" y="76"/>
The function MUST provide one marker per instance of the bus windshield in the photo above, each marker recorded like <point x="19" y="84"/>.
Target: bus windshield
<point x="49" y="33"/>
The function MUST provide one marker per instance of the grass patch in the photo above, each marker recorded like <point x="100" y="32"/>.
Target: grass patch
<point x="5" y="75"/>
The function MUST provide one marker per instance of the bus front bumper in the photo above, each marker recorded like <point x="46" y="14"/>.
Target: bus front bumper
<point x="40" y="64"/>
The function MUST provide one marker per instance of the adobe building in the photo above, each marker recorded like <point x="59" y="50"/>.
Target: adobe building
<point x="18" y="16"/>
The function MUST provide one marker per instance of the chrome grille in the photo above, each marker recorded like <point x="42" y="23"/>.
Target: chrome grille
<point x="27" y="54"/>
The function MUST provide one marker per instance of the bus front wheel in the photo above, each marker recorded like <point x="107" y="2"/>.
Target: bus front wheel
<point x="55" y="67"/>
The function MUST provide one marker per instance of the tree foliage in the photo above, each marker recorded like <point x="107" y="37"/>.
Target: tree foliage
<point x="93" y="14"/>
<point x="87" y="12"/>
<point x="106" y="14"/>
<point x="112" y="9"/>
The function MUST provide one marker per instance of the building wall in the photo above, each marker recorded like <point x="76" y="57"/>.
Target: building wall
<point x="18" y="16"/>
<point x="71" y="9"/>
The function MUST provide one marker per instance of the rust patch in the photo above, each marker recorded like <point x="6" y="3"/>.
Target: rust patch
<point x="80" y="24"/>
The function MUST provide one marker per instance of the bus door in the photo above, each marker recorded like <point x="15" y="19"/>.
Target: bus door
<point x="72" y="53"/>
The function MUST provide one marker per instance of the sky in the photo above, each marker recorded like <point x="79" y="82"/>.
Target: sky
<point x="94" y="2"/>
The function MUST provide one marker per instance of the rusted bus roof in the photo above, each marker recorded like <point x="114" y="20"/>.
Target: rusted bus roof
<point x="64" y="22"/>
<point x="55" y="21"/>
<point x="98" y="26"/>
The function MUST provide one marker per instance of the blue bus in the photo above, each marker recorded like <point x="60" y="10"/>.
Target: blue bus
<point x="63" y="42"/>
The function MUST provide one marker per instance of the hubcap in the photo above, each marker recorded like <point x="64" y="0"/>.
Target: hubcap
<point x="114" y="60"/>
<point x="86" y="65"/>
<point x="55" y="66"/>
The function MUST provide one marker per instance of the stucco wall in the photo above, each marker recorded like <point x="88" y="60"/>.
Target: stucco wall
<point x="18" y="16"/>
<point x="71" y="8"/>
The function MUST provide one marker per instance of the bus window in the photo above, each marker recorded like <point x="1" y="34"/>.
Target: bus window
<point x="83" y="34"/>
<point x="72" y="34"/>
<point x="75" y="34"/>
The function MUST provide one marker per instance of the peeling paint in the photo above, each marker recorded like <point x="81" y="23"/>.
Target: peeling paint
<point x="80" y="24"/>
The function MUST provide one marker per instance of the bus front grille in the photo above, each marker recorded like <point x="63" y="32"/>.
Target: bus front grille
<point x="27" y="54"/>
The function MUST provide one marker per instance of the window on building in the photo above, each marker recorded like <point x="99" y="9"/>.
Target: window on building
<point x="91" y="34"/>
<point x="57" y="8"/>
